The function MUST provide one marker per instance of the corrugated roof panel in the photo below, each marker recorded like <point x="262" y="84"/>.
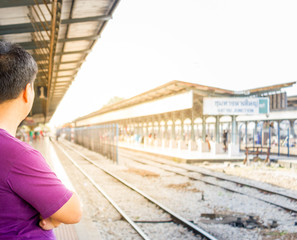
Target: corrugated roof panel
<point x="77" y="45"/>
<point x="71" y="57"/>
<point x="82" y="29"/>
<point x="69" y="65"/>
<point x="63" y="80"/>
<point x="68" y="73"/>
<point x="18" y="38"/>
<point x="89" y="8"/>
<point x="16" y="15"/>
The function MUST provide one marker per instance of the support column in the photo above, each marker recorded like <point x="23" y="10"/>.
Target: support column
<point x="165" y="137"/>
<point x="147" y="133"/>
<point x="255" y="133"/>
<point x="138" y="131"/>
<point x="203" y="128"/>
<point x="182" y="140"/>
<point x="126" y="125"/>
<point x="153" y="131"/>
<point x="217" y="129"/>
<point x="159" y="135"/>
<point x="173" y="135"/>
<point x="193" y="137"/>
<point x="291" y="130"/>
<point x="132" y="131"/>
<point x="288" y="141"/>
<point x="234" y="130"/>
<point x="141" y="138"/>
<point x="173" y="130"/>
<point x="234" y="147"/>
<point x="141" y="128"/>
<point x="278" y="137"/>
<point x="147" y="126"/>
<point x="182" y="126"/>
<point x="153" y="127"/>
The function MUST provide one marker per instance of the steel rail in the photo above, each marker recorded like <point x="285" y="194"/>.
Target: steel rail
<point x="175" y="217"/>
<point x="120" y="211"/>
<point x="223" y="187"/>
<point x="226" y="179"/>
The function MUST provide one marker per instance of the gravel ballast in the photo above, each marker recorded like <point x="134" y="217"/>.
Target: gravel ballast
<point x="191" y="198"/>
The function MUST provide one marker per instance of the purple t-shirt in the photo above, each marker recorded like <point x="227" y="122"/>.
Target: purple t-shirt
<point x="28" y="190"/>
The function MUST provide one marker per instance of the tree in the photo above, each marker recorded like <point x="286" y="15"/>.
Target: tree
<point x="114" y="100"/>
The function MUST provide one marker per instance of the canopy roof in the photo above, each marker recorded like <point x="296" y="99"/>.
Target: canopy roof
<point x="176" y="87"/>
<point x="59" y="34"/>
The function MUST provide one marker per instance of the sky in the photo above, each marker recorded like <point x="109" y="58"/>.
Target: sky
<point x="229" y="44"/>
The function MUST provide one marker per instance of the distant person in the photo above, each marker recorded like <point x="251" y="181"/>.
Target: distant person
<point x="33" y="200"/>
<point x="207" y="141"/>
<point x="36" y="134"/>
<point x="225" y="139"/>
<point x="31" y="134"/>
<point x="58" y="134"/>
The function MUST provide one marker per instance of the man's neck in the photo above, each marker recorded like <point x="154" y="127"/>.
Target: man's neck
<point x="10" y="129"/>
<point x="9" y="117"/>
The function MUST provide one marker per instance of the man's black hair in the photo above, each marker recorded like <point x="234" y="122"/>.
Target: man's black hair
<point x="17" y="69"/>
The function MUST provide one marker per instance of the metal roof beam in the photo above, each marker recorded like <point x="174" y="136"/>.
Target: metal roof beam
<point x="72" y="52"/>
<point x="87" y="19"/>
<point x="41" y="57"/>
<point x="62" y="82"/>
<point x="18" y="28"/>
<point x="32" y="45"/>
<point x="60" y="89"/>
<point x="62" y="63"/>
<point x="88" y="38"/>
<point x="68" y="76"/>
<point x="71" y="77"/>
<point x="66" y="70"/>
<point x="27" y="27"/>
<point x="61" y="70"/>
<point x="41" y="63"/>
<point x="19" y="3"/>
<point x="67" y="62"/>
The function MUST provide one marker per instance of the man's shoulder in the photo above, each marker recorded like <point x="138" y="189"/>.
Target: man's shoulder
<point x="9" y="142"/>
<point x="17" y="156"/>
<point x="15" y="150"/>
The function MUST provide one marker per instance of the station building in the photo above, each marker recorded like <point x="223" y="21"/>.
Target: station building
<point x="187" y="116"/>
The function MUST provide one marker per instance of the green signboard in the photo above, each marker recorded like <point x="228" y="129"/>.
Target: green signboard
<point x="235" y="106"/>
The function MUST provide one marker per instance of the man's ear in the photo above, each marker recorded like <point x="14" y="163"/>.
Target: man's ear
<point x="26" y="92"/>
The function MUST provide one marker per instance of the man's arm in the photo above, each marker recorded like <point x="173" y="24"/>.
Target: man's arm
<point x="69" y="213"/>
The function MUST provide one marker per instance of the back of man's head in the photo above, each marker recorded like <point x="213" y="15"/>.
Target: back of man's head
<point x="17" y="69"/>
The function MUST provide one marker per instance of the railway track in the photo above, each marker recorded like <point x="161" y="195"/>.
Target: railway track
<point x="161" y="214"/>
<point x="220" y="180"/>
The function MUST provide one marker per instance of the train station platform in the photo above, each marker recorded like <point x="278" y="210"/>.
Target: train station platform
<point x="287" y="162"/>
<point x="45" y="147"/>
<point x="184" y="156"/>
<point x="191" y="157"/>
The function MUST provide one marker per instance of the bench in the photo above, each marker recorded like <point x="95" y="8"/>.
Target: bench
<point x="256" y="151"/>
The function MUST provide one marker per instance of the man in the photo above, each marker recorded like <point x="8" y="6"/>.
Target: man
<point x="225" y="138"/>
<point x="32" y="199"/>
